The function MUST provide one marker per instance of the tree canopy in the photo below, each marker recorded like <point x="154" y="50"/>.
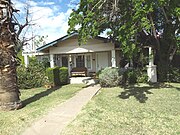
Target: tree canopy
<point x="132" y="24"/>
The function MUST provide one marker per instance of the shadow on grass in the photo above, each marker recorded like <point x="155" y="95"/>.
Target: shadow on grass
<point x="140" y="93"/>
<point x="39" y="96"/>
<point x="164" y="85"/>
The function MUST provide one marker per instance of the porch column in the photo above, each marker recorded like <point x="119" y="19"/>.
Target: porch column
<point x="151" y="68"/>
<point x="113" y="58"/>
<point x="26" y="60"/>
<point x="69" y="64"/>
<point x="51" y="60"/>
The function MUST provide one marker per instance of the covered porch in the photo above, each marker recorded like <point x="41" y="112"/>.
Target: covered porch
<point x="92" y="61"/>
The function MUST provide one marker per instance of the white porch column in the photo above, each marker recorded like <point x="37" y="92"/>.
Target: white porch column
<point x="113" y="58"/>
<point x="26" y="60"/>
<point x="74" y="60"/>
<point x="51" y="60"/>
<point x="151" y="58"/>
<point x="69" y="64"/>
<point x="151" y="68"/>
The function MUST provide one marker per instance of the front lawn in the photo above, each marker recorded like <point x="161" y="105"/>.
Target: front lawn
<point x="37" y="102"/>
<point x="137" y="110"/>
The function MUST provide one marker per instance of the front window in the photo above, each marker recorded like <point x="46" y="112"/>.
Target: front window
<point x="80" y="61"/>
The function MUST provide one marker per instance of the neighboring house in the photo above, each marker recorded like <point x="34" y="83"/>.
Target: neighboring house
<point x="95" y="55"/>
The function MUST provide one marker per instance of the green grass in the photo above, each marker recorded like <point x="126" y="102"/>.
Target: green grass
<point x="136" y="110"/>
<point x="37" y="102"/>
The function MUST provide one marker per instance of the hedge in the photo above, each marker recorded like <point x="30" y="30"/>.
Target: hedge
<point x="63" y="75"/>
<point x="53" y="76"/>
<point x="57" y="76"/>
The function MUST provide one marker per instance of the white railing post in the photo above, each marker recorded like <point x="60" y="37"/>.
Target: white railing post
<point x="26" y="60"/>
<point x="151" y="68"/>
<point x="113" y="58"/>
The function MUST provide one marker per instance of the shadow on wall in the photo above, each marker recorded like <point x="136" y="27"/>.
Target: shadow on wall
<point x="39" y="96"/>
<point x="140" y="93"/>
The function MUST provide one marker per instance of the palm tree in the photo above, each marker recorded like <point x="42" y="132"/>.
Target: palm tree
<point x="9" y="92"/>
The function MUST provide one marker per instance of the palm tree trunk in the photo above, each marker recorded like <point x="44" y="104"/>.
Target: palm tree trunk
<point x="9" y="93"/>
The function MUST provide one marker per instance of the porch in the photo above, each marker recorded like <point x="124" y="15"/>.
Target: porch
<point x="93" y="61"/>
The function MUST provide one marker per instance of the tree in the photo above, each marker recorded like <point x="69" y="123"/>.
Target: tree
<point x="133" y="24"/>
<point x="10" y="30"/>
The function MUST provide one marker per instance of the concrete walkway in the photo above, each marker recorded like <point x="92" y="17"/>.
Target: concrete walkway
<point x="63" y="114"/>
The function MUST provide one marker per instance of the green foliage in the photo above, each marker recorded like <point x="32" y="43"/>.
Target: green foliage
<point x="63" y="75"/>
<point x="53" y="76"/>
<point x="142" y="77"/>
<point x="40" y="40"/>
<point x="98" y="73"/>
<point x="133" y="24"/>
<point x="45" y="62"/>
<point x="110" y="77"/>
<point x="132" y="76"/>
<point x="31" y="77"/>
<point x="21" y="58"/>
<point x="174" y="75"/>
<point x="129" y="77"/>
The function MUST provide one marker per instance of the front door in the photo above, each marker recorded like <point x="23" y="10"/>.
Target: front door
<point x="101" y="60"/>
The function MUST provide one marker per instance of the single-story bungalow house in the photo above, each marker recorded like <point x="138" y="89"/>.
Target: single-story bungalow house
<point x="95" y="55"/>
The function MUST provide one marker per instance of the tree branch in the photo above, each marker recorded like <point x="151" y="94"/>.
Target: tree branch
<point x="154" y="31"/>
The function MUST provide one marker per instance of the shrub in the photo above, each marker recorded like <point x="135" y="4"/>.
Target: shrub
<point x="142" y="76"/>
<point x="110" y="77"/>
<point x="174" y="75"/>
<point x="132" y="76"/>
<point x="63" y="75"/>
<point x="31" y="77"/>
<point x="98" y="73"/>
<point x="45" y="62"/>
<point x="53" y="76"/>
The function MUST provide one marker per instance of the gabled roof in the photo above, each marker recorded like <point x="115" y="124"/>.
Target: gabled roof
<point x="62" y="39"/>
<point x="55" y="42"/>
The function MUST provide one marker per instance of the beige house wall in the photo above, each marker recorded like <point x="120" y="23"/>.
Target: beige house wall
<point x="71" y="46"/>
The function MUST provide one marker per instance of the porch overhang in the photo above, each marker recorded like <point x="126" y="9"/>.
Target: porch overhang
<point x="79" y="50"/>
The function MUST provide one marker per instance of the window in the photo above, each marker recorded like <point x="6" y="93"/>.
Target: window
<point x="80" y="61"/>
<point x="88" y="61"/>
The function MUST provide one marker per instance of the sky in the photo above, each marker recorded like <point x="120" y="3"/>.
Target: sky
<point x="49" y="16"/>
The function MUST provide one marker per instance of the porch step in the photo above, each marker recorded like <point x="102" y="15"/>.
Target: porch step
<point x="80" y="80"/>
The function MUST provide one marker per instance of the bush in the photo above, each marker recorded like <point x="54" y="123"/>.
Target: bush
<point x="110" y="77"/>
<point x="132" y="76"/>
<point x="98" y="73"/>
<point x="63" y="75"/>
<point x="31" y="77"/>
<point x="142" y="77"/>
<point x="174" y="75"/>
<point x="53" y="76"/>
